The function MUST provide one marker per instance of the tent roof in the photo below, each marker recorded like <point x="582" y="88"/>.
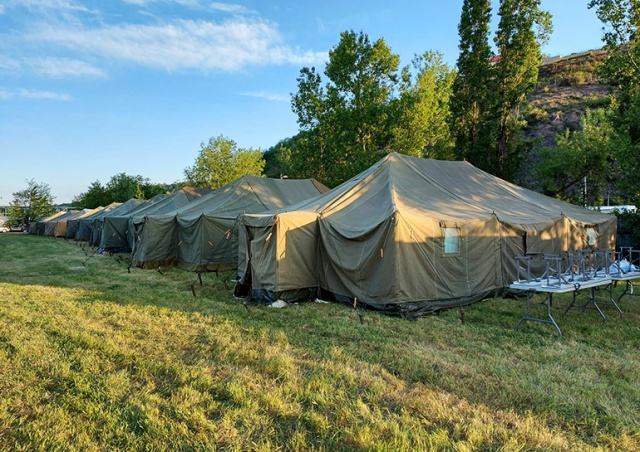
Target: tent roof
<point x="53" y="217"/>
<point x="65" y="215"/>
<point x="120" y="209"/>
<point x="446" y="190"/>
<point x="251" y="194"/>
<point x="171" y="202"/>
<point x="102" y="211"/>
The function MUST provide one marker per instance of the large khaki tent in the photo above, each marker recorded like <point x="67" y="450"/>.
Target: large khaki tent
<point x="411" y="236"/>
<point x="115" y="229"/>
<point x="201" y="236"/>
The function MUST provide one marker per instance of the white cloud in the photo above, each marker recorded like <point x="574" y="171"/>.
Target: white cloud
<point x="267" y="96"/>
<point x="33" y="94"/>
<point x="62" y="67"/>
<point x="7" y="63"/>
<point x="231" y="8"/>
<point x="42" y="5"/>
<point x="183" y="44"/>
<point x="189" y="3"/>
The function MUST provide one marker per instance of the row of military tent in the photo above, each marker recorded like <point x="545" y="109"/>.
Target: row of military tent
<point x="192" y="228"/>
<point x="410" y="236"/>
<point x="110" y="228"/>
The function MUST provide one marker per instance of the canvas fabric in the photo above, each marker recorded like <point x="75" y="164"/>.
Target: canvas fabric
<point x="381" y="237"/>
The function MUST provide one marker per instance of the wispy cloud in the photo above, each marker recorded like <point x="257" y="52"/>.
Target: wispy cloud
<point x="183" y="44"/>
<point x="267" y="96"/>
<point x="42" y="5"/>
<point x="62" y="67"/>
<point x="230" y="8"/>
<point x="33" y="94"/>
<point x="192" y="3"/>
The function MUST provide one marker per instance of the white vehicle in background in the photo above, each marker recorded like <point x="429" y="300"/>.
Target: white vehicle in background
<point x="4" y="229"/>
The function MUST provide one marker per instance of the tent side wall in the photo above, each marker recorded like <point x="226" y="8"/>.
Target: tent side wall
<point x="207" y="243"/>
<point x="409" y="266"/>
<point x="114" y="233"/>
<point x="157" y="243"/>
<point x="277" y="256"/>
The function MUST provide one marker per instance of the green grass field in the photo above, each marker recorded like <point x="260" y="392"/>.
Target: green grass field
<point x="93" y="358"/>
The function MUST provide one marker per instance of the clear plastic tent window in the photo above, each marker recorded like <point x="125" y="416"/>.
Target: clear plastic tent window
<point x="451" y="240"/>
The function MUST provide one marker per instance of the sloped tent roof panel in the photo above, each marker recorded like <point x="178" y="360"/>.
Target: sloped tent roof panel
<point x="203" y="229"/>
<point x="381" y="236"/>
<point x="172" y="203"/>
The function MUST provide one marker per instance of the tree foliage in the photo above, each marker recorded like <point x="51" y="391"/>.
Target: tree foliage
<point x="95" y="196"/>
<point x="421" y="125"/>
<point x="31" y="204"/>
<point x="522" y="30"/>
<point x="486" y="95"/>
<point x="472" y="90"/>
<point x="120" y="188"/>
<point x="366" y="108"/>
<point x="220" y="161"/>
<point x="621" y="19"/>
<point x="583" y="156"/>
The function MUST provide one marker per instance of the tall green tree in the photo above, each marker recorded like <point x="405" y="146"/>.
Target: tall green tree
<point x="31" y="204"/>
<point x="123" y="187"/>
<point x="220" y="161"/>
<point x="421" y="127"/>
<point x="347" y="119"/>
<point x="472" y="89"/>
<point x="95" y="196"/>
<point x="523" y="28"/>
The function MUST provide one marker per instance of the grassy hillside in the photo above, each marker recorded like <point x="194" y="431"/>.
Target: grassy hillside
<point x="93" y="358"/>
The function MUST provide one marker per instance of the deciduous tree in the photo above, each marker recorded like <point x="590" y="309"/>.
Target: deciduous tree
<point x="471" y="110"/>
<point x="346" y="122"/>
<point x="522" y="30"/>
<point x="31" y="204"/>
<point x="421" y="125"/>
<point x="220" y="161"/>
<point x="586" y="153"/>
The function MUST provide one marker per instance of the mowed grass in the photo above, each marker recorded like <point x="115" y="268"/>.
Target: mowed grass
<point x="94" y="357"/>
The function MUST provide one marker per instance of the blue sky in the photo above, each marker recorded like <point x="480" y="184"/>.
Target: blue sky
<point x="93" y="88"/>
